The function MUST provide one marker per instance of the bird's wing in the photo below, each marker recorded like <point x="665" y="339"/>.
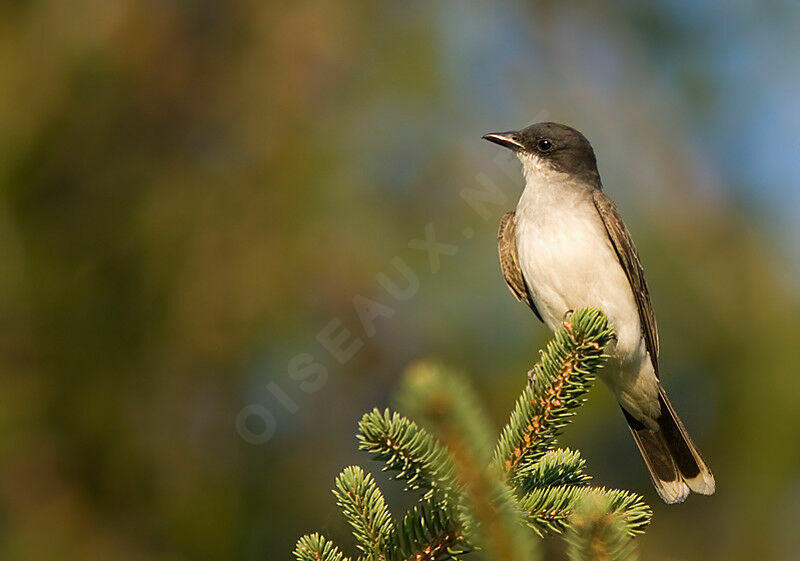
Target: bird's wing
<point x="509" y="263"/>
<point x="629" y="259"/>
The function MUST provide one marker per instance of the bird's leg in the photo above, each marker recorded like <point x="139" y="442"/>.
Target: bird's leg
<point x="567" y="320"/>
<point x="532" y="371"/>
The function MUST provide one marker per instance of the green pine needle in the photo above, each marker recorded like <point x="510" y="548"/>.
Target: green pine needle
<point x="406" y="448"/>
<point x="365" y="508"/>
<point x="473" y="499"/>
<point x="444" y="401"/>
<point x="561" y="379"/>
<point x="428" y="533"/>
<point x="314" y="547"/>
<point x="556" y="467"/>
<point x="598" y="532"/>
<point x="483" y="505"/>
<point x="548" y="509"/>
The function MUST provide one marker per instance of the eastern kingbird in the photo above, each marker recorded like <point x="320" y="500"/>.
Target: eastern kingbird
<point x="566" y="247"/>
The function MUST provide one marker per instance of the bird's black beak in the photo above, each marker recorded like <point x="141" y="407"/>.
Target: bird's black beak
<point x="508" y="139"/>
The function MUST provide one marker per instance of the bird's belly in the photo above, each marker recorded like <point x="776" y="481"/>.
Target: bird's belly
<point x="569" y="263"/>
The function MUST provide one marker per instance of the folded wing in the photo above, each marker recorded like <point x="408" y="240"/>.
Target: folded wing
<point x="509" y="263"/>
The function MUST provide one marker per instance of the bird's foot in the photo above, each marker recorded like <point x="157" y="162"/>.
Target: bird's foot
<point x="532" y="371"/>
<point x="568" y="320"/>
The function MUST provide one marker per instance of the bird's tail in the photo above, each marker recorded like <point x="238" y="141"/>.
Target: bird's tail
<point x="675" y="465"/>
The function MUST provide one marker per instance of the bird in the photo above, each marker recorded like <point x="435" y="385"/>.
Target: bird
<point x="566" y="247"/>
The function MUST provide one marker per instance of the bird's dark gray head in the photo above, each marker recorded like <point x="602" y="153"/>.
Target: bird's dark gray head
<point x="553" y="147"/>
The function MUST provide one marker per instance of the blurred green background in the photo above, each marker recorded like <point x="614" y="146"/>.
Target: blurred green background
<point x="191" y="192"/>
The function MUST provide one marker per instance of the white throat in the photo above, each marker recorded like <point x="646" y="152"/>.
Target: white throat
<point x="547" y="188"/>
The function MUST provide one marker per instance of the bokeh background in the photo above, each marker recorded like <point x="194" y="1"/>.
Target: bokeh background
<point x="191" y="192"/>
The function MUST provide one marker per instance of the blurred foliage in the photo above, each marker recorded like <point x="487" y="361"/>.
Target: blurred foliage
<point x="191" y="191"/>
<point x="476" y="500"/>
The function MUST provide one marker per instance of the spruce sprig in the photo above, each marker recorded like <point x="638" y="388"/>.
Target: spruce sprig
<point x="554" y="468"/>
<point x="486" y="512"/>
<point x="314" y="547"/>
<point x="598" y="532"/>
<point x="365" y="508"/>
<point x="559" y="384"/>
<point x="407" y="449"/>
<point x="548" y="509"/>
<point x="427" y="532"/>
<point x="475" y="499"/>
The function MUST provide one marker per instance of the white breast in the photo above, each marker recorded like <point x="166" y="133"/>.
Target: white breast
<point x="569" y="263"/>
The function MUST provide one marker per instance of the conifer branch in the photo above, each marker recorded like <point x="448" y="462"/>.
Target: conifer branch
<point x="560" y="382"/>
<point x="556" y="467"/>
<point x="365" y="508"/>
<point x="548" y="509"/>
<point x="476" y="500"/>
<point x="427" y="533"/>
<point x="598" y="532"/>
<point x="406" y="448"/>
<point x="487" y="513"/>
<point x="314" y="547"/>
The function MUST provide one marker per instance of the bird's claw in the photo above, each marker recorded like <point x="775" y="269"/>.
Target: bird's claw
<point x="532" y="371"/>
<point x="567" y="320"/>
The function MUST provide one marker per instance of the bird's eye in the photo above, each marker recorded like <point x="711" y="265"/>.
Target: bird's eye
<point x="544" y="145"/>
